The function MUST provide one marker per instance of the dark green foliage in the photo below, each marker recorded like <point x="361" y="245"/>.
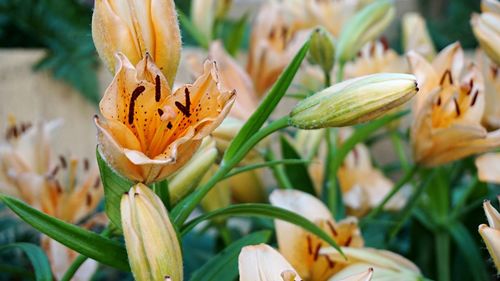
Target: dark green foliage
<point x="63" y="28"/>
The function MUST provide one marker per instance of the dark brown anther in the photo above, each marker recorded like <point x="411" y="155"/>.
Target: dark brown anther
<point x="54" y="172"/>
<point x="86" y="164"/>
<point x="316" y="252"/>
<point x="494" y="71"/>
<point x="331" y="264"/>
<point x="58" y="187"/>
<point x="97" y="182"/>
<point x="135" y="94"/>
<point x="474" y="98"/>
<point x="332" y="228"/>
<point x="169" y="125"/>
<point x="385" y="43"/>
<point x="185" y="108"/>
<point x="64" y="164"/>
<point x="136" y="194"/>
<point x="438" y="103"/>
<point x="88" y="200"/>
<point x="157" y="88"/>
<point x="160" y="112"/>
<point x="309" y="244"/>
<point x="372" y="49"/>
<point x="457" y="107"/>
<point x="446" y="73"/>
<point x="348" y="241"/>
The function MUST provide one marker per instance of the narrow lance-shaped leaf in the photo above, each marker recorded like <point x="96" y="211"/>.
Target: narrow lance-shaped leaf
<point x="37" y="257"/>
<point x="83" y="241"/>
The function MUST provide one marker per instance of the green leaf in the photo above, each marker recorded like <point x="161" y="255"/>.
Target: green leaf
<point x="37" y="258"/>
<point x="469" y="248"/>
<point x="263" y="210"/>
<point x="267" y="106"/>
<point x="188" y="25"/>
<point x="114" y="187"/>
<point x="235" y="37"/>
<point x="224" y="266"/>
<point x="298" y="174"/>
<point x="83" y="241"/>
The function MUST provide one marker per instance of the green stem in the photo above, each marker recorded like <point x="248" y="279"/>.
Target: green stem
<point x="405" y="179"/>
<point x="463" y="198"/>
<point x="161" y="189"/>
<point x="252" y="167"/>
<point x="400" y="151"/>
<point x="328" y="79"/>
<point x="443" y="255"/>
<point x="81" y="259"/>
<point x="278" y="172"/>
<point x="334" y="198"/>
<point x="225" y="234"/>
<point x="181" y="212"/>
<point x="340" y="73"/>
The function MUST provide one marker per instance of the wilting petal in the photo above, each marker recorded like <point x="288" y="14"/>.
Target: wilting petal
<point x="136" y="28"/>
<point x="149" y="133"/>
<point x="488" y="167"/>
<point x="263" y="263"/>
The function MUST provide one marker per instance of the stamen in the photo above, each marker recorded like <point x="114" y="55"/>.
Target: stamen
<point x="157" y="88"/>
<point x="372" y="49"/>
<point x="446" y="73"/>
<point x="316" y="251"/>
<point x="54" y="172"/>
<point x="385" y="43"/>
<point x="86" y="164"/>
<point x="457" y="107"/>
<point x="331" y="264"/>
<point x="185" y="108"/>
<point x="474" y="98"/>
<point x="169" y="125"/>
<point x="135" y="94"/>
<point x="309" y="244"/>
<point x="438" y="101"/>
<point x="348" y="241"/>
<point x="160" y="112"/>
<point x="64" y="164"/>
<point x="332" y="228"/>
<point x="88" y="200"/>
<point x="97" y="182"/>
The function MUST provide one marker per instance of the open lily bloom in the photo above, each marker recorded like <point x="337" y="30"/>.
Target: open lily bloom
<point x="386" y="265"/>
<point x="25" y="160"/>
<point x="486" y="27"/>
<point x="273" y="43"/>
<point x="363" y="186"/>
<point x="491" y="75"/>
<point x="263" y="263"/>
<point x="301" y="248"/>
<point x="416" y="37"/>
<point x="491" y="232"/>
<point x="448" y="111"/>
<point x="376" y="57"/>
<point x="148" y="132"/>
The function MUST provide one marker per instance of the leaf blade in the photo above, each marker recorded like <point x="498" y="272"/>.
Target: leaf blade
<point x="37" y="257"/>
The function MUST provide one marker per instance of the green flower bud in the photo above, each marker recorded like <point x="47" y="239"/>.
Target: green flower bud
<point x="364" y="27"/>
<point x="152" y="245"/>
<point x="354" y="101"/>
<point x="322" y="50"/>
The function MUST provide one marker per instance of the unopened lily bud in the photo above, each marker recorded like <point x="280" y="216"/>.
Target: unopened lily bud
<point x="486" y="28"/>
<point x="322" y="50"/>
<point x="135" y="28"/>
<point x="416" y="37"/>
<point x="365" y="26"/>
<point x="491" y="233"/>
<point x="204" y="13"/>
<point x="152" y="244"/>
<point x="354" y="101"/>
<point x="186" y="179"/>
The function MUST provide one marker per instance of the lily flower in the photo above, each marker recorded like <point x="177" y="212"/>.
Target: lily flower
<point x="148" y="132"/>
<point x="486" y="28"/>
<point x="301" y="248"/>
<point x="152" y="244"/>
<point x="386" y="265"/>
<point x="263" y="263"/>
<point x="448" y="111"/>
<point x="376" y="57"/>
<point x="364" y="187"/>
<point x="273" y="43"/>
<point x="204" y="14"/>
<point x="25" y="159"/>
<point x="416" y="37"/>
<point x="491" y="232"/>
<point x="135" y="28"/>
<point x="491" y="75"/>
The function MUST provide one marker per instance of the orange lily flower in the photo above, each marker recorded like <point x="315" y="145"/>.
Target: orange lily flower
<point x="448" y="111"/>
<point x="148" y="132"/>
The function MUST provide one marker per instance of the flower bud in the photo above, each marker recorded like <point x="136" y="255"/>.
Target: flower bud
<point x="185" y="180"/>
<point x="416" y="37"/>
<point x="204" y="14"/>
<point x="491" y="233"/>
<point x="136" y="28"/>
<point x="322" y="50"/>
<point x="354" y="101"/>
<point x="365" y="26"/>
<point x="152" y="245"/>
<point x="486" y="28"/>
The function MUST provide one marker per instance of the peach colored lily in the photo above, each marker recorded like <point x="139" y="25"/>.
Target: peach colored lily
<point x="486" y="27"/>
<point x="148" y="132"/>
<point x="491" y="75"/>
<point x="363" y="186"/>
<point x="491" y="233"/>
<point x="488" y="167"/>
<point x="448" y="110"/>
<point x="273" y="43"/>
<point x="416" y="37"/>
<point x="302" y="248"/>
<point x="135" y="28"/>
